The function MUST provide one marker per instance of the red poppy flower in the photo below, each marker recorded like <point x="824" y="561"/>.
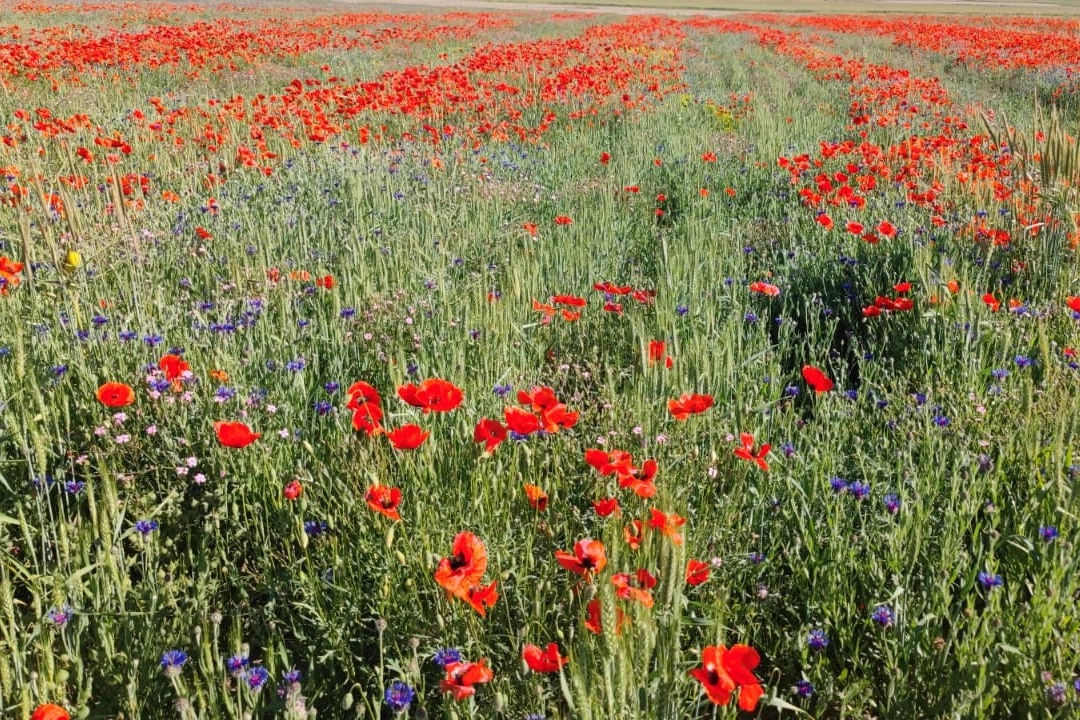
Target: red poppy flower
<point x="433" y="395"/>
<point x="1073" y="303"/>
<point x="855" y="228"/>
<point x="537" y="498"/>
<point x="640" y="480"/>
<point x="992" y="302"/>
<point x="668" y="524"/>
<point x="530" y="228"/>
<point x="366" y="417"/>
<point x="606" y="506"/>
<point x="49" y="711"/>
<point x="656" y="353"/>
<point x="634" y="534"/>
<point x="886" y="228"/>
<point x="593" y="622"/>
<point x="539" y="398"/>
<point x="571" y="300"/>
<point x="723" y="671"/>
<point x="563" y="220"/>
<point x="173" y="366"/>
<point x="824" y="221"/>
<point x="816" y="379"/>
<point x="463" y="677"/>
<point x="764" y="288"/>
<point x="235" y="434"/>
<point x="613" y="289"/>
<point x="489" y="432"/>
<point x="384" y="500"/>
<point x="465" y="566"/>
<point x="747" y="452"/>
<point x="557" y="418"/>
<point x="689" y="404"/>
<point x="9" y="274"/>
<point x="588" y="557"/>
<point x="605" y="158"/>
<point x="592" y="617"/>
<point x="635" y="587"/>
<point x="902" y="287"/>
<point x="543" y="661"/>
<point x="481" y="599"/>
<point x="521" y="421"/>
<point x="407" y="437"/>
<point x="115" y="395"/>
<point x="613" y="307"/>
<point x="360" y="393"/>
<point x="697" y="572"/>
<point x="326" y="282"/>
<point x="615" y="462"/>
<point x="293" y="490"/>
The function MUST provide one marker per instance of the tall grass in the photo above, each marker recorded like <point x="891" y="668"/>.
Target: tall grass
<point x="946" y="450"/>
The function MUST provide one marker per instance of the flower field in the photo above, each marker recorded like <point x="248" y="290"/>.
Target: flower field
<point x="518" y="365"/>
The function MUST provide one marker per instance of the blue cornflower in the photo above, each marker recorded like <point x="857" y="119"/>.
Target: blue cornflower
<point x="791" y="391"/>
<point x="445" y="656"/>
<point x="153" y="340"/>
<point x="331" y="387"/>
<point x="315" y="528"/>
<point x="1023" y="361"/>
<point x="60" y="616"/>
<point x="989" y="580"/>
<point x="1049" y="533"/>
<point x="236" y="665"/>
<point x="347" y="313"/>
<point x="941" y="421"/>
<point x="296" y="365"/>
<point x="817" y="640"/>
<point x="503" y="390"/>
<point x="851" y="394"/>
<point x="159" y="385"/>
<point x="1055" y="693"/>
<point x="291" y="677"/>
<point x="756" y="558"/>
<point x="838" y="484"/>
<point x="224" y="393"/>
<point x="681" y="310"/>
<point x="788" y="449"/>
<point x="919" y="398"/>
<point x="257" y="677"/>
<point x="803" y="688"/>
<point x="859" y="490"/>
<point x="883" y="615"/>
<point x="399" y="696"/>
<point x="99" y="320"/>
<point x="323" y="407"/>
<point x="750" y="318"/>
<point x="172" y="661"/>
<point x="999" y="373"/>
<point x="145" y="527"/>
<point x="892" y="503"/>
<point x="74" y="487"/>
